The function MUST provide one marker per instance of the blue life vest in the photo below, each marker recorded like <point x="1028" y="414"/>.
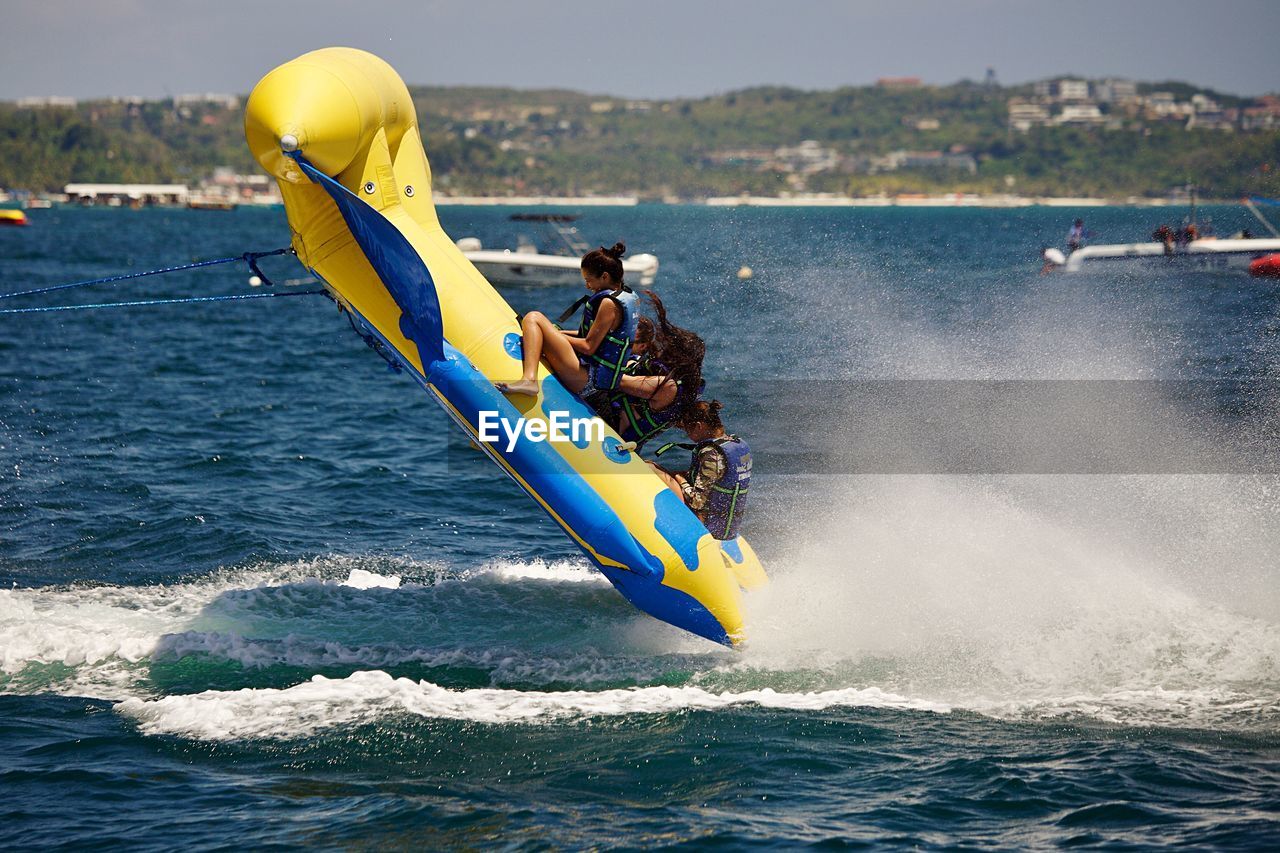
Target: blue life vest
<point x="640" y="422"/>
<point x="604" y="366"/>
<point x="722" y="513"/>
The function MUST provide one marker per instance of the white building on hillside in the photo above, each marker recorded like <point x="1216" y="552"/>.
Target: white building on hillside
<point x="229" y="102"/>
<point x="1115" y="91"/>
<point x="1063" y="89"/>
<point x="1080" y="114"/>
<point x="1023" y="116"/>
<point x="49" y="101"/>
<point x="127" y="194"/>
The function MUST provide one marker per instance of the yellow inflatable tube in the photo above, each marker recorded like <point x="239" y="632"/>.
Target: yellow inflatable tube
<point x="337" y="129"/>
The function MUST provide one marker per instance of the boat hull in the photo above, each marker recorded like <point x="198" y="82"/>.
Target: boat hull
<point x="537" y="269"/>
<point x="1211" y="255"/>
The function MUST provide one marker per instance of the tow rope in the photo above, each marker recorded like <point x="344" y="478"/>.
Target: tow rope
<point x="249" y="258"/>
<point x="164" y="301"/>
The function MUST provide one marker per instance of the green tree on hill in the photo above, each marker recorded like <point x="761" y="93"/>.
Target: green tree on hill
<point x="492" y="140"/>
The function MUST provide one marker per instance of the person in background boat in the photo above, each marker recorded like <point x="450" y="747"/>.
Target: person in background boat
<point x="660" y="382"/>
<point x="716" y="485"/>
<point x="1187" y="233"/>
<point x="1164" y="234"/>
<point x="590" y="360"/>
<point x="1075" y="237"/>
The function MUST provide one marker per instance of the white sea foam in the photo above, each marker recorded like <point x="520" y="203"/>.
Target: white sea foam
<point x="1210" y="707"/>
<point x="1120" y="598"/>
<point x="565" y="571"/>
<point x="95" y="629"/>
<point x="364" y="697"/>
<point x="325" y="612"/>
<point x="362" y="579"/>
<point x="977" y="595"/>
<point x="937" y="594"/>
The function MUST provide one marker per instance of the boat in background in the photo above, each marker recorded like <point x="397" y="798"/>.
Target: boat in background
<point x="211" y="202"/>
<point x="1208" y="253"/>
<point x="1182" y="248"/>
<point x="560" y="264"/>
<point x="10" y="216"/>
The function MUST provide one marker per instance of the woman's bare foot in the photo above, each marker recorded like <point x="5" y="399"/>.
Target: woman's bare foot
<point x="524" y="386"/>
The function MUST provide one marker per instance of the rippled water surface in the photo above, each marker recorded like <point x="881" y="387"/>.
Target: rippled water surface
<point x="205" y="508"/>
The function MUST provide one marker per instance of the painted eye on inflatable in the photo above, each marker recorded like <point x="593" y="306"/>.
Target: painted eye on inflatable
<point x="408" y="190"/>
<point x="368" y="187"/>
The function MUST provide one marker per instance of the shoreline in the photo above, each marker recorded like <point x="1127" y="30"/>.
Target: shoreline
<point x="908" y="200"/>
<point x="903" y="200"/>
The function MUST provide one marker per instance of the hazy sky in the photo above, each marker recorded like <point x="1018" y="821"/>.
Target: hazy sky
<point x="643" y="48"/>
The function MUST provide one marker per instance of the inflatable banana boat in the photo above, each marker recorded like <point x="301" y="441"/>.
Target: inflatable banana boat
<point x="337" y="129"/>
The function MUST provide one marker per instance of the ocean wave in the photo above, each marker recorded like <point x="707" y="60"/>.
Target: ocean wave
<point x="1101" y="642"/>
<point x="364" y="697"/>
<point x="1206" y="708"/>
<point x="96" y="640"/>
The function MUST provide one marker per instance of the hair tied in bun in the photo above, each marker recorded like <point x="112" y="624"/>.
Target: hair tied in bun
<point x="601" y="261"/>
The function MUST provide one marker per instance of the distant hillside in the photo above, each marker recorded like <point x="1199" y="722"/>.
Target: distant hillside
<point x="862" y="140"/>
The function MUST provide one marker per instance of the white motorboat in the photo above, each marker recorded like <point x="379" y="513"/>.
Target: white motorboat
<point x="1182" y="248"/>
<point x="526" y="264"/>
<point x="1207" y="253"/>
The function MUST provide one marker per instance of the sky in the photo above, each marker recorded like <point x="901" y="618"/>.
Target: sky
<point x="640" y="49"/>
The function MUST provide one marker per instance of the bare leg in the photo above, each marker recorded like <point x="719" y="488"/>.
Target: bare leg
<point x="543" y="339"/>
<point x="673" y="481"/>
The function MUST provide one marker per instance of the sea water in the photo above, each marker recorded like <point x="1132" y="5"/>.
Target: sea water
<point x="255" y="592"/>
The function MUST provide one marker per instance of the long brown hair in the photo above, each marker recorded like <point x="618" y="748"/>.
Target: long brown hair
<point x="679" y="349"/>
<point x="645" y="332"/>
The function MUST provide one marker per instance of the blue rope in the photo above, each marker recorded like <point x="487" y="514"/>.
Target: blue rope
<point x="248" y="257"/>
<point x="163" y="301"/>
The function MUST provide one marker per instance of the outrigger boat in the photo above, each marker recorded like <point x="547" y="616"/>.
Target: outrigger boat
<point x="1243" y="253"/>
<point x="527" y="265"/>
<point x="1207" y="253"/>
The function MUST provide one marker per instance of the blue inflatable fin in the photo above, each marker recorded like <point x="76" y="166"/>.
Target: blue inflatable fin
<point x="395" y="261"/>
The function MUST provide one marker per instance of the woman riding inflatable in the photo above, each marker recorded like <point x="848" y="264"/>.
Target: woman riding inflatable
<point x="715" y="486"/>
<point x="660" y="382"/>
<point x="591" y="360"/>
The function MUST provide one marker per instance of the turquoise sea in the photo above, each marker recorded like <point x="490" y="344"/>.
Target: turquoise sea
<point x="1023" y="532"/>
